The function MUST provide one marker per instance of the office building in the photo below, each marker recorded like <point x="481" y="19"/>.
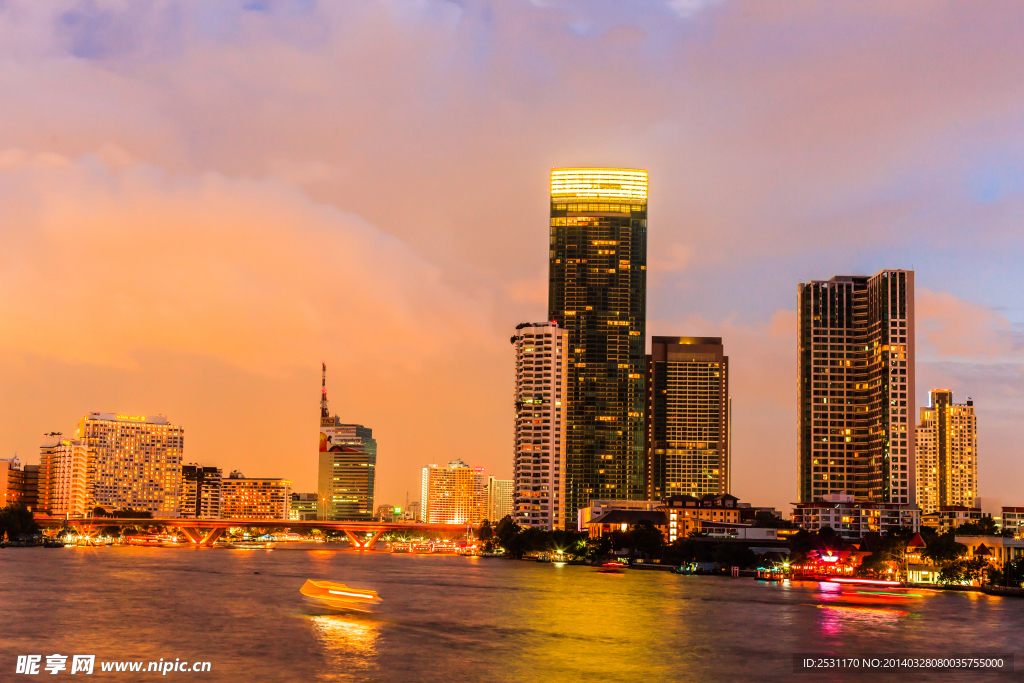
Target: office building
<point x="851" y="519"/>
<point x="65" y="472"/>
<point x="303" y="507"/>
<point x="540" y="428"/>
<point x="136" y="462"/>
<point x="201" y="492"/>
<point x="456" y="494"/>
<point x="347" y="466"/>
<point x="258" y="498"/>
<point x="687" y="423"/>
<point x="947" y="453"/>
<point x="856" y="388"/>
<point x="499" y="499"/>
<point x="6" y="466"/>
<point x="598" y="294"/>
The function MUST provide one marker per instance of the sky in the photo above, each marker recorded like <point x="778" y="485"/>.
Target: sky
<point x="201" y="202"/>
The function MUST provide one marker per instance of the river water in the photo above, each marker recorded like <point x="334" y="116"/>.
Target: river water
<point x="464" y="619"/>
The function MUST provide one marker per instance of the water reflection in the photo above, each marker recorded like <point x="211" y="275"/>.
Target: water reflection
<point x="350" y="643"/>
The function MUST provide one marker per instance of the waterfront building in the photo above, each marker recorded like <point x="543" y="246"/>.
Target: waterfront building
<point x="623" y="520"/>
<point x="456" y="494"/>
<point x="303" y="507"/>
<point x="947" y="453"/>
<point x="598" y="295"/>
<point x="997" y="550"/>
<point x="201" y="492"/>
<point x="1013" y="520"/>
<point x="347" y="466"/>
<point x="596" y="508"/>
<point x="65" y="469"/>
<point x="256" y="498"/>
<point x="23" y="486"/>
<point x="499" y="499"/>
<point x="851" y="519"/>
<point x="6" y="466"/>
<point x="687" y="435"/>
<point x="136" y="462"/>
<point x="856" y="388"/>
<point x="540" y="425"/>
<point x="951" y="517"/>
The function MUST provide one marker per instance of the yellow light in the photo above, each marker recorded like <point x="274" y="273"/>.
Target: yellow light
<point x="599" y="183"/>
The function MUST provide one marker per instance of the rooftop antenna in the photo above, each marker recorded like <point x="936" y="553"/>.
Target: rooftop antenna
<point x="324" y="413"/>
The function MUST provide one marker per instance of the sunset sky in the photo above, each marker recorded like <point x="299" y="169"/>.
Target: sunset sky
<point x="201" y="201"/>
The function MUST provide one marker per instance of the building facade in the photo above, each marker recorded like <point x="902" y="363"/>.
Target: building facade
<point x="244" y="498"/>
<point x="6" y="466"/>
<point x="137" y="462"/>
<point x="851" y="519"/>
<point x="947" y="453"/>
<point x="456" y="494"/>
<point x="856" y="388"/>
<point x="23" y="487"/>
<point x="201" y="492"/>
<point x="347" y="466"/>
<point x="951" y="517"/>
<point x="598" y="294"/>
<point x="540" y="427"/>
<point x="1013" y="520"/>
<point x="303" y="507"/>
<point x="687" y="424"/>
<point x="65" y="472"/>
<point x="499" y="499"/>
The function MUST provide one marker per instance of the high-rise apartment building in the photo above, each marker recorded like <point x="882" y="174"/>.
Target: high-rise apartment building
<point x="541" y="400"/>
<point x="947" y="453"/>
<point x="598" y="294"/>
<point x="456" y="494"/>
<point x="347" y="466"/>
<point x="65" y="472"/>
<point x="687" y="418"/>
<point x="499" y="499"/>
<point x="201" y="492"/>
<point x="856" y="388"/>
<point x="137" y="462"/>
<point x="258" y="498"/>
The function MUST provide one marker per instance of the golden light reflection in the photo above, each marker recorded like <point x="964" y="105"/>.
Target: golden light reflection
<point x="353" y="640"/>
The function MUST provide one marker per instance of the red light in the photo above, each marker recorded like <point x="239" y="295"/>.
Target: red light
<point x="869" y="582"/>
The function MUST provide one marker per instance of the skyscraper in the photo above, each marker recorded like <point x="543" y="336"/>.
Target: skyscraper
<point x="201" y="492"/>
<point x="347" y="466"/>
<point x="947" y="453"/>
<point x="137" y="461"/>
<point x="540" y="430"/>
<point x="687" y="417"/>
<point x="456" y="494"/>
<point x="499" y="499"/>
<point x="597" y="293"/>
<point x="65" y="471"/>
<point x="856" y="388"/>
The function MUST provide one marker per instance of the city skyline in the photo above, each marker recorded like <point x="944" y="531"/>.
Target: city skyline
<point x="397" y="229"/>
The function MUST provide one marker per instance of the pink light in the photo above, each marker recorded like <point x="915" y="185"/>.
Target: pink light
<point x="870" y="582"/>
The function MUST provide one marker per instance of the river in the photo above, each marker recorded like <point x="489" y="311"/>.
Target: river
<point x="448" y="618"/>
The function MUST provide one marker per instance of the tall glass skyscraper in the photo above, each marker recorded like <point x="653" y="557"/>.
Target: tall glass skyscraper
<point x="598" y="294"/>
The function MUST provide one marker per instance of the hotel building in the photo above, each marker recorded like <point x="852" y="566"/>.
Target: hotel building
<point x="201" y="492"/>
<point x="687" y="418"/>
<point x="65" y="469"/>
<point x="540" y="427"/>
<point x="947" y="453"/>
<point x="499" y="499"/>
<point x="598" y="295"/>
<point x="851" y="519"/>
<point x="456" y="494"/>
<point x="856" y="388"/>
<point x="347" y="467"/>
<point x="244" y="498"/>
<point x="137" y="462"/>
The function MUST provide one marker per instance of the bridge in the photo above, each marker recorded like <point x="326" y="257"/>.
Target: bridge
<point x="205" y="532"/>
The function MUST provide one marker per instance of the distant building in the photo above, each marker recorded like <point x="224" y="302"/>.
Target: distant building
<point x="540" y="438"/>
<point x="996" y="550"/>
<point x="303" y="507"/>
<point x="947" y="453"/>
<point x="137" y="462"/>
<point x="1013" y="520"/>
<point x="856" y="388"/>
<point x="951" y="517"/>
<point x="499" y="499"/>
<point x="6" y="465"/>
<point x="347" y="466"/>
<point x="65" y="470"/>
<point x="23" y="487"/>
<point x="245" y="498"/>
<point x="412" y="512"/>
<point x="456" y="494"/>
<point x="622" y="520"/>
<point x="597" y="508"/>
<point x="687" y="417"/>
<point x="851" y="520"/>
<point x="201" y="492"/>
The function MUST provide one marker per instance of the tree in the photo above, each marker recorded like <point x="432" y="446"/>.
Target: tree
<point x="961" y="571"/>
<point x="508" y="534"/>
<point x="485" y="533"/>
<point x="1010" y="576"/>
<point x="735" y="555"/>
<point x="985" y="526"/>
<point x="15" y="521"/>
<point x="646" y="539"/>
<point x="944" y="549"/>
<point x="766" y="520"/>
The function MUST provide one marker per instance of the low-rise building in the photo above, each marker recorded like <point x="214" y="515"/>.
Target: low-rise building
<point x="1013" y="520"/>
<point x="257" y="498"/>
<point x="951" y="517"/>
<point x="998" y="550"/>
<point x="596" y="508"/>
<point x="623" y="520"/>
<point x="851" y="519"/>
<point x="303" y="507"/>
<point x="23" y="487"/>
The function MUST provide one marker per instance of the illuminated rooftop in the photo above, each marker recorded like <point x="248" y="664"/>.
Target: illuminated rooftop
<point x="619" y="184"/>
